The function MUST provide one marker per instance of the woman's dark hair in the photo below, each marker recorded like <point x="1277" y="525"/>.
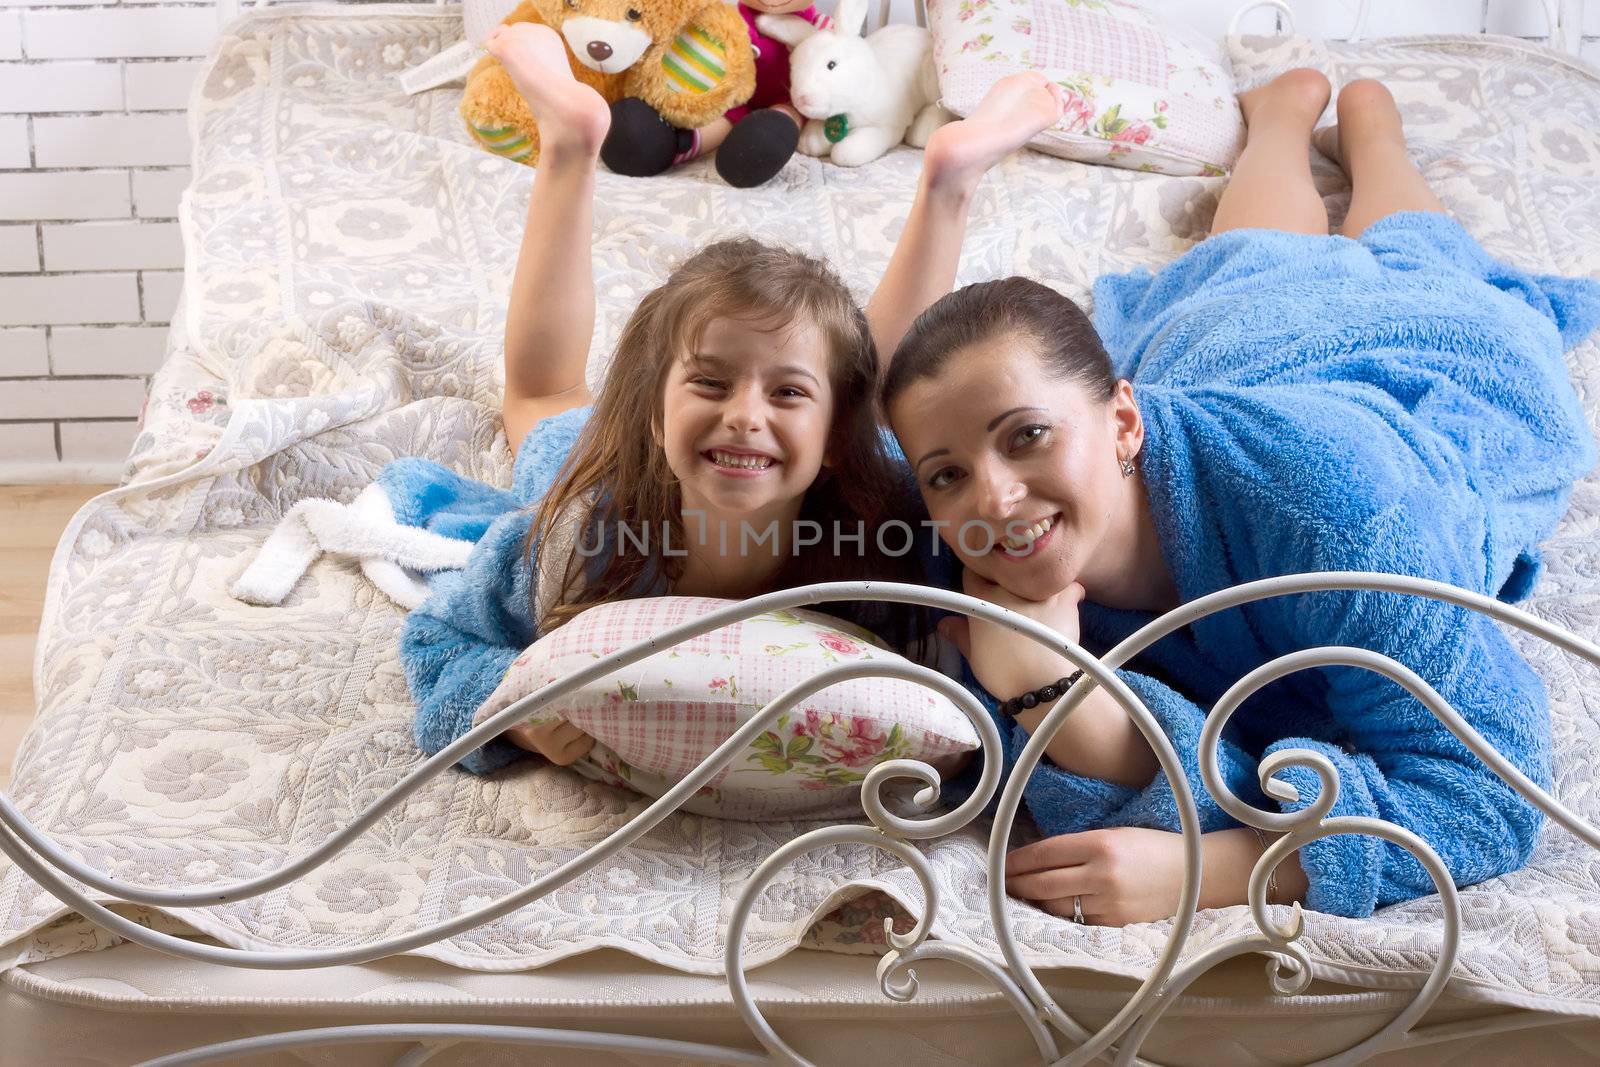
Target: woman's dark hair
<point x="1067" y="344"/>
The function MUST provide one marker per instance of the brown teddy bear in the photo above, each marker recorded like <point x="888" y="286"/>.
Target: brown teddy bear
<point x="686" y="59"/>
<point x="752" y="141"/>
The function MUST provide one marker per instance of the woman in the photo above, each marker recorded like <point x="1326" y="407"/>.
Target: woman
<point x="1277" y="400"/>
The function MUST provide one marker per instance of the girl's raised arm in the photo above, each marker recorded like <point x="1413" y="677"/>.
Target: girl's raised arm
<point x="923" y="267"/>
<point x="550" y="319"/>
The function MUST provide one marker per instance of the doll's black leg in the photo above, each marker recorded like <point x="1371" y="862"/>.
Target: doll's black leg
<point x="641" y="144"/>
<point x="757" y="148"/>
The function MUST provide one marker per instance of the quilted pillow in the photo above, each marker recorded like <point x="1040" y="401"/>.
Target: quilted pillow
<point x="1142" y="93"/>
<point x="656" y="720"/>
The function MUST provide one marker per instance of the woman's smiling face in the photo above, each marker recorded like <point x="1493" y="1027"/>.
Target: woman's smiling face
<point x="1009" y="456"/>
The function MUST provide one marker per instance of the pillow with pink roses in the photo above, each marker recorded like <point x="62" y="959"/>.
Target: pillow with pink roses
<point x="1142" y="92"/>
<point x="657" y="719"/>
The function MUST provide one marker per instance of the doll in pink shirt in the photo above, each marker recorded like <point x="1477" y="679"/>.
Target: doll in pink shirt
<point x="752" y="141"/>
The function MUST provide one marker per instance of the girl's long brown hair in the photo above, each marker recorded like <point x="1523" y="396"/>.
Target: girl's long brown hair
<point x="618" y="464"/>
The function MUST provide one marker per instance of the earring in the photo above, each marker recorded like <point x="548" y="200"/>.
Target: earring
<point x="1127" y="468"/>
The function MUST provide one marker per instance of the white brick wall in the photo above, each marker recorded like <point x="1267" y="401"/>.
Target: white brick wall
<point x="94" y="158"/>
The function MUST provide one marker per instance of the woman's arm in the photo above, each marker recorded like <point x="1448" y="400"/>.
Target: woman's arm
<point x="1132" y="875"/>
<point x="1098" y="739"/>
<point x="923" y="267"/>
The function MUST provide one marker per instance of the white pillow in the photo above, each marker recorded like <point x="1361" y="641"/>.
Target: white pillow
<point x="658" y="719"/>
<point x="1143" y="93"/>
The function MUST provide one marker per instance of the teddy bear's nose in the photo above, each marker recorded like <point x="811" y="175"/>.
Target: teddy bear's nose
<point x="599" y="51"/>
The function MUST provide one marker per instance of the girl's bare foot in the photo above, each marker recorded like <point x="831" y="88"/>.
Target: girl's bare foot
<point x="1013" y="110"/>
<point x="572" y="117"/>
<point x="1299" y="95"/>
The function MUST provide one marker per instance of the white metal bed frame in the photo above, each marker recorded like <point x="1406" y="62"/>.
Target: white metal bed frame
<point x="1051" y="1026"/>
<point x="1048" y="1022"/>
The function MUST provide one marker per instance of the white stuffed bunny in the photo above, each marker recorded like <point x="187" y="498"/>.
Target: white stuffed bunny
<point x="860" y="96"/>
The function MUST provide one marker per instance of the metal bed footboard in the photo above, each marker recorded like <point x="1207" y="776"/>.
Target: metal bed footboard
<point x="1057" y="1035"/>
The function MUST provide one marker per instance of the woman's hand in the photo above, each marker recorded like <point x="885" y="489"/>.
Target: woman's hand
<point x="1005" y="662"/>
<point x="1126" y="874"/>
<point x="1121" y="875"/>
<point x="557" y="740"/>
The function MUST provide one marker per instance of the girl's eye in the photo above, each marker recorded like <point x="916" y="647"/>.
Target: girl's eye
<point x="790" y="392"/>
<point x="706" y="383"/>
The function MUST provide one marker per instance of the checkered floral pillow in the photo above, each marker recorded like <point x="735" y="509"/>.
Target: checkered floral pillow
<point x="1143" y="93"/>
<point x="656" y="720"/>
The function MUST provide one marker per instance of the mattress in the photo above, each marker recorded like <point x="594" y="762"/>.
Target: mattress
<point x="348" y="257"/>
<point x="128" y="1002"/>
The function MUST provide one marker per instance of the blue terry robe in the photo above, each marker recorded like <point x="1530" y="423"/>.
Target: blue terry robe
<point x="1396" y="404"/>
<point x="459" y="643"/>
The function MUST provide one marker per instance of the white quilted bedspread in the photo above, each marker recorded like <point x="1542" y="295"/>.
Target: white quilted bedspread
<point x="349" y="255"/>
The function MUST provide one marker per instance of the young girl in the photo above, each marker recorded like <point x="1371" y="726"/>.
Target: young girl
<point x="740" y="401"/>
<point x="1277" y="400"/>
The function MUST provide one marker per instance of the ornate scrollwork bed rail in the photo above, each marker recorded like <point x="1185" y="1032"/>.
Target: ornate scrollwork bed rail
<point x="1047" y="1021"/>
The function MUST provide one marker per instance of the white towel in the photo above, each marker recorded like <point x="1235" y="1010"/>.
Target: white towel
<point x="394" y="557"/>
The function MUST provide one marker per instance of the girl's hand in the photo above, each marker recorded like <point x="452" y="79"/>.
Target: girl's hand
<point x="1121" y="875"/>
<point x="1006" y="663"/>
<point x="557" y="740"/>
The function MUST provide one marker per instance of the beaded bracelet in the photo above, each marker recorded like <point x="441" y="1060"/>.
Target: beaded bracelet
<point x="1045" y="694"/>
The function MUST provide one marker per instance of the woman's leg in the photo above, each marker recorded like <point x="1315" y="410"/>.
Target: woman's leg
<point x="550" y="317"/>
<point x="923" y="267"/>
<point x="1370" y="144"/>
<point x="1271" y="185"/>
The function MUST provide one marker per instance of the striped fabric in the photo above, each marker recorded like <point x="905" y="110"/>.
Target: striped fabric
<point x="505" y="141"/>
<point x="695" y="62"/>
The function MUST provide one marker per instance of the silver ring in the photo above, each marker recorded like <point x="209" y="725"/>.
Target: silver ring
<point x="1077" y="909"/>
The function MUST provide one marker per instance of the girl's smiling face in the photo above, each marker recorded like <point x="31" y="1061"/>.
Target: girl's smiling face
<point x="746" y="418"/>
<point x="1009" y="456"/>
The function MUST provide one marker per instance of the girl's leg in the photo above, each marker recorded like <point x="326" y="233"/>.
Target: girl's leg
<point x="923" y="267"/>
<point x="1271" y="185"/>
<point x="1370" y="144"/>
<point x="550" y="318"/>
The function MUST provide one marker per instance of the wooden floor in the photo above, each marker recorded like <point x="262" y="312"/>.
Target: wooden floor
<point x="31" y="520"/>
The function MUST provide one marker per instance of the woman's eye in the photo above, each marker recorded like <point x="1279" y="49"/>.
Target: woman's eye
<point x="942" y="478"/>
<point x="1027" y="435"/>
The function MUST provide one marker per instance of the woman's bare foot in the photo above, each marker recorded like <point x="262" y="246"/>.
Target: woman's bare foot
<point x="572" y="117"/>
<point x="1299" y="95"/>
<point x="1013" y="110"/>
<point x="1367" y="114"/>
